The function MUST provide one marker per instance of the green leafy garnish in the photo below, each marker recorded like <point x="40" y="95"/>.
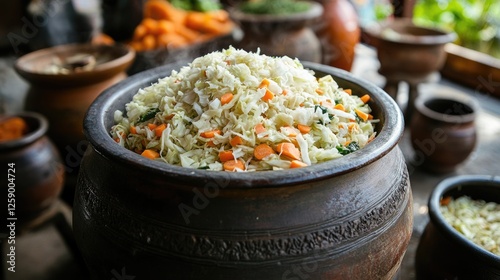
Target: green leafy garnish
<point x="344" y="150"/>
<point x="151" y="113"/>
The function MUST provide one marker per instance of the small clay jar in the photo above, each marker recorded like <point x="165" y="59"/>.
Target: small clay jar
<point x="442" y="131"/>
<point x="278" y="35"/>
<point x="33" y="169"/>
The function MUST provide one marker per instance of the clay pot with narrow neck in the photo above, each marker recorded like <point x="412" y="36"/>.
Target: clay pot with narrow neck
<point x="348" y="218"/>
<point x="277" y="35"/>
<point x="33" y="169"/>
<point x="443" y="131"/>
<point x="339" y="33"/>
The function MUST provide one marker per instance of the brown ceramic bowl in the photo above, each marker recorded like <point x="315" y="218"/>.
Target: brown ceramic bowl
<point x="443" y="252"/>
<point x="349" y="218"/>
<point x="405" y="48"/>
<point x="111" y="60"/>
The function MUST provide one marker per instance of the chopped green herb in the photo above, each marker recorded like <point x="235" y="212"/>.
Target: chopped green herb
<point x="151" y="113"/>
<point x="344" y="150"/>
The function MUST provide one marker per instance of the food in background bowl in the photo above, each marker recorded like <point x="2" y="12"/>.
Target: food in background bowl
<point x="166" y="25"/>
<point x="235" y="110"/>
<point x="443" y="251"/>
<point x="476" y="219"/>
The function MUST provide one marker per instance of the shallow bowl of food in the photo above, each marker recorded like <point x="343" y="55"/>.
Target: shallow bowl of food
<point x="349" y="217"/>
<point x="459" y="241"/>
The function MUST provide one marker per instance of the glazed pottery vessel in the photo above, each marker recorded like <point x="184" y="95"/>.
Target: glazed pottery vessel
<point x="277" y="35"/>
<point x="339" y="33"/>
<point x="443" y="252"/>
<point x="443" y="131"/>
<point x="349" y="218"/>
<point x="64" y="98"/>
<point x="35" y="167"/>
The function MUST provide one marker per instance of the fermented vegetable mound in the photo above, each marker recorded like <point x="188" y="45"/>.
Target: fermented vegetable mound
<point x="242" y="111"/>
<point x="477" y="220"/>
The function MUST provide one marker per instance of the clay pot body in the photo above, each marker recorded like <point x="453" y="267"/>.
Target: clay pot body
<point x="64" y="98"/>
<point x="407" y="50"/>
<point x="37" y="170"/>
<point x="442" y="131"/>
<point x="278" y="35"/>
<point x="339" y="33"/>
<point x="350" y="218"/>
<point x="443" y="252"/>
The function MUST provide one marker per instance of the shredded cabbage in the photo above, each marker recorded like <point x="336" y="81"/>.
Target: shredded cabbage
<point x="477" y="220"/>
<point x="189" y="103"/>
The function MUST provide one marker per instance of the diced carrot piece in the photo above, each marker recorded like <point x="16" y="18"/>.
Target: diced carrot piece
<point x="235" y="141"/>
<point x="150" y="24"/>
<point x="351" y="126"/>
<point x="233" y="165"/>
<point x="133" y="130"/>
<point x="339" y="107"/>
<point x="445" y="201"/>
<point x="268" y="95"/>
<point x="289" y="150"/>
<point x="152" y="126"/>
<point x="265" y="83"/>
<point x="165" y="27"/>
<point x="320" y="91"/>
<point x="211" y="144"/>
<point x="149" y="42"/>
<point x="284" y="92"/>
<point x="226" y="155"/>
<point x="259" y="128"/>
<point x="169" y="117"/>
<point x="361" y="114"/>
<point x="297" y="164"/>
<point x="303" y="128"/>
<point x="370" y="116"/>
<point x="159" y="129"/>
<point x="226" y="98"/>
<point x="262" y="151"/>
<point x="210" y="133"/>
<point x="348" y="91"/>
<point x="139" y="32"/>
<point x="365" y="98"/>
<point x="151" y="154"/>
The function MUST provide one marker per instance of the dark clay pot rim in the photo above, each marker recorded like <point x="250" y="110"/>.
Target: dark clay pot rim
<point x="476" y="186"/>
<point x="38" y="125"/>
<point x="453" y="119"/>
<point x="97" y="132"/>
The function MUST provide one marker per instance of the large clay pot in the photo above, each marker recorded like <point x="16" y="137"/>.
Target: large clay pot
<point x="36" y="173"/>
<point x="277" y="35"/>
<point x="445" y="253"/>
<point x="443" y="131"/>
<point x="339" y="33"/>
<point x="349" y="218"/>
<point x="64" y="98"/>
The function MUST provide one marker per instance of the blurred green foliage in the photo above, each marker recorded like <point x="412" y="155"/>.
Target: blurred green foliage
<point x="476" y="23"/>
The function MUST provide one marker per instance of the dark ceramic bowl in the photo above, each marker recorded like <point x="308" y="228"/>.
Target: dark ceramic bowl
<point x="443" y="252"/>
<point x="36" y="167"/>
<point x="349" y="218"/>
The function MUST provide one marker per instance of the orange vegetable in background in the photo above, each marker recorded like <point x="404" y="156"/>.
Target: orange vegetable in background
<point x="12" y="128"/>
<point x="164" y="25"/>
